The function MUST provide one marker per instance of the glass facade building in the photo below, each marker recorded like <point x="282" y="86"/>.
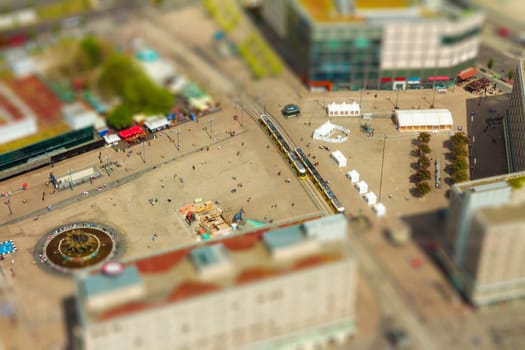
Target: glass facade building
<point x="403" y="48"/>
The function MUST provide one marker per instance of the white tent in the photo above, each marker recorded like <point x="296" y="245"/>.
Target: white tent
<point x="111" y="139"/>
<point x="327" y="129"/>
<point x="362" y="187"/>
<point x="339" y="158"/>
<point x="370" y="198"/>
<point x="379" y="209"/>
<point x="156" y="123"/>
<point x="353" y="175"/>
<point x="343" y="109"/>
<point x="424" y="119"/>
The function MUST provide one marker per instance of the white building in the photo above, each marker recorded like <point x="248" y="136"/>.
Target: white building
<point x="424" y="120"/>
<point x="20" y="64"/>
<point x="19" y="121"/>
<point x="343" y="109"/>
<point x="258" y="290"/>
<point x="77" y="116"/>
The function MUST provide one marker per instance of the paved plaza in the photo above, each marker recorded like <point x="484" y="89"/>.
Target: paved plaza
<point x="211" y="163"/>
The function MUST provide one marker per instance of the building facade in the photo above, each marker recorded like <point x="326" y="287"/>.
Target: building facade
<point x="292" y="288"/>
<point x="356" y="44"/>
<point x="483" y="247"/>
<point x="514" y="123"/>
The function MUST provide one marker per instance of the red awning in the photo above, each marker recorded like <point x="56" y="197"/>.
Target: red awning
<point x="440" y="78"/>
<point x="133" y="131"/>
<point x="400" y="79"/>
<point x="386" y="80"/>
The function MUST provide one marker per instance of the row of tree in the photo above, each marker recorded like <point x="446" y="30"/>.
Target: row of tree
<point x="423" y="175"/>
<point x="458" y="154"/>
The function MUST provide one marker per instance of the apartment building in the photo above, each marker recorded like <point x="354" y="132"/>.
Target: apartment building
<point x="291" y="287"/>
<point x="484" y="243"/>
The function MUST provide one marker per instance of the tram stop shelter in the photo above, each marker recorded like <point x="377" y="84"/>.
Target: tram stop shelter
<point x="353" y="175"/>
<point x="424" y="120"/>
<point x="370" y="198"/>
<point x="379" y="209"/>
<point x="362" y="187"/>
<point x="339" y="158"/>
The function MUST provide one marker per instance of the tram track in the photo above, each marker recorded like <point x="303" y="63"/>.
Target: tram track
<point x="254" y="111"/>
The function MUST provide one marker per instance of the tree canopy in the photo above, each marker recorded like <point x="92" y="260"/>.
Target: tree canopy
<point x="122" y="77"/>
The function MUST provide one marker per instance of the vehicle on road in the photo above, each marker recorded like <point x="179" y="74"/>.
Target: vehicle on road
<point x="399" y="338"/>
<point x="291" y="110"/>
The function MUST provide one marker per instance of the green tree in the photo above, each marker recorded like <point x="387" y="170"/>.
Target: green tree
<point x="510" y="74"/>
<point x="490" y="63"/>
<point x="424" y="137"/>
<point x="422" y="175"/>
<point x="121" y="117"/>
<point x="459" y="176"/>
<point x="460" y="164"/>
<point x="459" y="151"/>
<point x="423" y="161"/>
<point x="92" y="49"/>
<point x="423" y="188"/>
<point x="424" y="148"/>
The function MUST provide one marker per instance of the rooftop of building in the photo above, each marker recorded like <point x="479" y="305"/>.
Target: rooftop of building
<point x="508" y="214"/>
<point x="329" y="11"/>
<point x="198" y="269"/>
<point x="515" y="180"/>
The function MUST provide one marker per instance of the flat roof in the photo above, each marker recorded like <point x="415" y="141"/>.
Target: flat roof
<point x="228" y="262"/>
<point x="506" y="214"/>
<point x="328" y="11"/>
<point x="424" y="117"/>
<point x="468" y="185"/>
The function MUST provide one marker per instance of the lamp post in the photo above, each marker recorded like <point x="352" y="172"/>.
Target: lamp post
<point x="433" y="95"/>
<point x="211" y="128"/>
<point x="177" y="132"/>
<point x="397" y="98"/>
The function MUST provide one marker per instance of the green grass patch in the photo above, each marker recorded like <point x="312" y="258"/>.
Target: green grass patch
<point x="62" y="8"/>
<point x="39" y="136"/>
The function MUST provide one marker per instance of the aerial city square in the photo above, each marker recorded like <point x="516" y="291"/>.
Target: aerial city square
<point x="262" y="174"/>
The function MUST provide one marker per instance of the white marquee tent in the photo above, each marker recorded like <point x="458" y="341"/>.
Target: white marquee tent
<point x="339" y="158"/>
<point x="362" y="187"/>
<point x="325" y="131"/>
<point x="111" y="139"/>
<point x="424" y="120"/>
<point x="343" y="109"/>
<point x="353" y="175"/>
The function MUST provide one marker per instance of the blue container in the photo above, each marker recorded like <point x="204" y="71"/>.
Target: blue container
<point x="193" y="117"/>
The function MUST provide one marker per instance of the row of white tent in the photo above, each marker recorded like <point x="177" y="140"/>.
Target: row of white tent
<point x="370" y="197"/>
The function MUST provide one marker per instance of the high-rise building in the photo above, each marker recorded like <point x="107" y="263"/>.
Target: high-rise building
<point x="374" y="44"/>
<point x="484" y="245"/>
<point x="285" y="288"/>
<point x="514" y="124"/>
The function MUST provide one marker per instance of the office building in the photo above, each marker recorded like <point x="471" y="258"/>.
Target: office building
<point x="514" y="123"/>
<point x="291" y="287"/>
<point x="376" y="44"/>
<point x="484" y="245"/>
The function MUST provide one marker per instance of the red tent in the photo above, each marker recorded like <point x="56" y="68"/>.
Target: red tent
<point x="130" y="132"/>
